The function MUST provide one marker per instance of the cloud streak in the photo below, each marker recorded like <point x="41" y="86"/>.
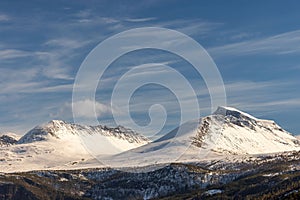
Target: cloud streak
<point x="13" y="53"/>
<point x="140" y="19"/>
<point x="285" y="43"/>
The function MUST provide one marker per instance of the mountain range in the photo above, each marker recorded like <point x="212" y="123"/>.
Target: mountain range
<point x="226" y="134"/>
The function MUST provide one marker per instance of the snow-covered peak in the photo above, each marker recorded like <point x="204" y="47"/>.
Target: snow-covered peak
<point x="233" y="131"/>
<point x="231" y="115"/>
<point x="58" y="129"/>
<point x="229" y="111"/>
<point x="60" y="144"/>
<point x="52" y="129"/>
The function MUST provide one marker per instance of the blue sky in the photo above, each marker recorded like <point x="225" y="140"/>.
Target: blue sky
<point x="256" y="46"/>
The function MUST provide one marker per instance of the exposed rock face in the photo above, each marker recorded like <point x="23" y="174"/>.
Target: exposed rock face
<point x="6" y="140"/>
<point x="202" y="131"/>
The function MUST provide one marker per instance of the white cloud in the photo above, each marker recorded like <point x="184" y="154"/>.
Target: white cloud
<point x="57" y="70"/>
<point x="66" y="43"/>
<point x="140" y="19"/>
<point x="88" y="16"/>
<point x="4" y="17"/>
<point x="87" y="108"/>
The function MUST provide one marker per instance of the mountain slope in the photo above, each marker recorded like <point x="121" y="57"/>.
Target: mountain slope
<point x="61" y="145"/>
<point x="226" y="132"/>
<point x="241" y="133"/>
<point x="60" y="129"/>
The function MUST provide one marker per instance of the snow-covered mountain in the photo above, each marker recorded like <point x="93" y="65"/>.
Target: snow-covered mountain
<point x="227" y="132"/>
<point x="57" y="129"/>
<point x="241" y="133"/>
<point x="62" y="145"/>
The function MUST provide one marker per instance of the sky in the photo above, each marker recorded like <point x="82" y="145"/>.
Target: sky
<point x="254" y="44"/>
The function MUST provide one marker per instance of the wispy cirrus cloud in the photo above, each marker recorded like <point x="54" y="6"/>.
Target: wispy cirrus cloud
<point x="12" y="84"/>
<point x="262" y="97"/>
<point x="66" y="43"/>
<point x="34" y="87"/>
<point x="140" y="19"/>
<point x="285" y="43"/>
<point x="58" y="56"/>
<point x="13" y="53"/>
<point x="196" y="27"/>
<point x="88" y="16"/>
<point x="50" y="62"/>
<point x="120" y="23"/>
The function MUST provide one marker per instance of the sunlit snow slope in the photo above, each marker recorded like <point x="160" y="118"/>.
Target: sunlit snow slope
<point x="61" y="145"/>
<point x="241" y="133"/>
<point x="226" y="132"/>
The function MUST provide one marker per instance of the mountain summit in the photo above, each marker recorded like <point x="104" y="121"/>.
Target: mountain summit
<point x="57" y="129"/>
<point x="229" y="130"/>
<point x="229" y="111"/>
